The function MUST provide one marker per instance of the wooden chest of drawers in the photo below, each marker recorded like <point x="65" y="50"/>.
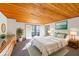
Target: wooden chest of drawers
<point x="73" y="43"/>
<point x="7" y="49"/>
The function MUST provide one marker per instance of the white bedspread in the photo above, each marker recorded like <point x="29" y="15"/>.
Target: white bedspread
<point x="49" y="45"/>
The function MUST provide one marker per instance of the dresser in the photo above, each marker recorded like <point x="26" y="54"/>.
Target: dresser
<point x="73" y="43"/>
<point x="7" y="48"/>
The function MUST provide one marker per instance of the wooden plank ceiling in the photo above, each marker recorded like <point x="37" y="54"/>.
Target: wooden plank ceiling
<point x="40" y="13"/>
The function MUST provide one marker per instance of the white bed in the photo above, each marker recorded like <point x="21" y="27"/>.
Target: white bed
<point x="49" y="44"/>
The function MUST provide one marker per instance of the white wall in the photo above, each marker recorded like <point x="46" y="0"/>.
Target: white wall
<point x="28" y="31"/>
<point x="11" y="26"/>
<point x="52" y="26"/>
<point x="3" y="19"/>
<point x="74" y="23"/>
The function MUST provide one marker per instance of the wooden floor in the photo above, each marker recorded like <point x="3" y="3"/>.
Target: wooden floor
<point x="19" y="52"/>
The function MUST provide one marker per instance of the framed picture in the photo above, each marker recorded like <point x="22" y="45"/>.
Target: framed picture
<point x="61" y="25"/>
<point x="3" y="27"/>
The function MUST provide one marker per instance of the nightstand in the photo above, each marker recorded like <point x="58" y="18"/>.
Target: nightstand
<point x="73" y="43"/>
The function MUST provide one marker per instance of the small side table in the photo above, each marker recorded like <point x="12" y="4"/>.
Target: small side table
<point x="73" y="43"/>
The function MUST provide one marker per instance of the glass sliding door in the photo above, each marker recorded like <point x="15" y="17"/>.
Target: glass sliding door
<point x="35" y="30"/>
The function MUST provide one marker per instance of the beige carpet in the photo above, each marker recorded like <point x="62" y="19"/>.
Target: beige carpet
<point x="35" y="52"/>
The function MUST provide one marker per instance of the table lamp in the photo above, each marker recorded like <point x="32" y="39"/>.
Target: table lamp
<point x="73" y="34"/>
<point x="50" y="31"/>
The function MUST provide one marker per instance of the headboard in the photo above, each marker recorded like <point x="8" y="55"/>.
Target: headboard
<point x="60" y="35"/>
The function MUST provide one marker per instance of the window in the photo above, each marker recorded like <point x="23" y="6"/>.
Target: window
<point x="35" y="30"/>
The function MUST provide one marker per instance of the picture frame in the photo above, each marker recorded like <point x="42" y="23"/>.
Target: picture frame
<point x="61" y="25"/>
<point x="3" y="27"/>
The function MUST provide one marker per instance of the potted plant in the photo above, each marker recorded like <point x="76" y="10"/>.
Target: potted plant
<point x="2" y="40"/>
<point x="19" y="33"/>
<point x="2" y="36"/>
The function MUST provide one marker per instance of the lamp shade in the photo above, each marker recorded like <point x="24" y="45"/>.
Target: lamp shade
<point x="51" y="31"/>
<point x="73" y="32"/>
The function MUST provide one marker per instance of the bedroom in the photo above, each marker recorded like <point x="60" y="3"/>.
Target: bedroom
<point x="44" y="29"/>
